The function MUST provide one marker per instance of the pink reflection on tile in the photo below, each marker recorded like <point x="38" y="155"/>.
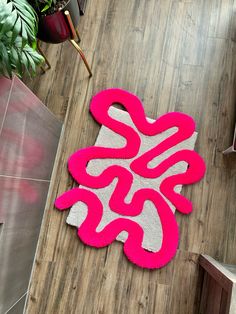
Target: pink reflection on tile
<point x="29" y="136"/>
<point x="22" y="206"/>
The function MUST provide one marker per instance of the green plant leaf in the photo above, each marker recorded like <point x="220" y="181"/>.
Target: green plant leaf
<point x="27" y="16"/>
<point x="9" y="23"/>
<point x="47" y="6"/>
<point x="18" y="42"/>
<point x="24" y="35"/>
<point x="18" y="27"/>
<point x="5" y="60"/>
<point x="28" y="19"/>
<point x="38" y="58"/>
<point x="16" y="61"/>
<point x="5" y="10"/>
<point x="31" y="62"/>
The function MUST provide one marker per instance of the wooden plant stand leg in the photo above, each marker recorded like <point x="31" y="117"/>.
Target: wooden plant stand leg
<point x="78" y="35"/>
<point x="80" y="9"/>
<point x="80" y="51"/>
<point x="74" y="32"/>
<point x="45" y="57"/>
<point x="74" y="43"/>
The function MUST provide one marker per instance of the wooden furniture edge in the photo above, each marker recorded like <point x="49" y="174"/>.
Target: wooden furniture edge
<point x="223" y="276"/>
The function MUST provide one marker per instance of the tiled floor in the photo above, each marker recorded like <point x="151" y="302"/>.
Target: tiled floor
<point x="29" y="136"/>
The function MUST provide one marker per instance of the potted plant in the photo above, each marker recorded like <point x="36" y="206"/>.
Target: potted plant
<point x="53" y="26"/>
<point x="18" y="29"/>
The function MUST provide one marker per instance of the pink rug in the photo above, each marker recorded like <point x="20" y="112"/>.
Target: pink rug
<point x="164" y="197"/>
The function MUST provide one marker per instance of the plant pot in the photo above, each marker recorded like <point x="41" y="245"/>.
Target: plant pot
<point x="53" y="28"/>
<point x="73" y="7"/>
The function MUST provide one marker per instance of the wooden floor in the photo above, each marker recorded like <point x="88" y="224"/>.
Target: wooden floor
<point x="175" y="55"/>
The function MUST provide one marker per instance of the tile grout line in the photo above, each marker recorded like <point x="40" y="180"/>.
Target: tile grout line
<point x="16" y="302"/>
<point x="23" y="178"/>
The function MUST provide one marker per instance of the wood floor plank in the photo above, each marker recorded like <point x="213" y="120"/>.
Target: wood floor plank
<point x="175" y="55"/>
<point x="220" y="18"/>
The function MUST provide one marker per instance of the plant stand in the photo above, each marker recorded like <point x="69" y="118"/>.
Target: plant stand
<point x="82" y="6"/>
<point x="45" y="57"/>
<point x="74" y="36"/>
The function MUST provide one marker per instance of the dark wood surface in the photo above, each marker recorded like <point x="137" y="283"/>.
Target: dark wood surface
<point x="219" y="287"/>
<point x="175" y="55"/>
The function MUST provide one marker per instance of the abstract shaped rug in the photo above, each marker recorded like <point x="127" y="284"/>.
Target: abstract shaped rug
<point x="130" y="181"/>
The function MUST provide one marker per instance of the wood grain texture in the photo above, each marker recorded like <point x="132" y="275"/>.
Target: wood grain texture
<point x="175" y="55"/>
<point x="211" y="297"/>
